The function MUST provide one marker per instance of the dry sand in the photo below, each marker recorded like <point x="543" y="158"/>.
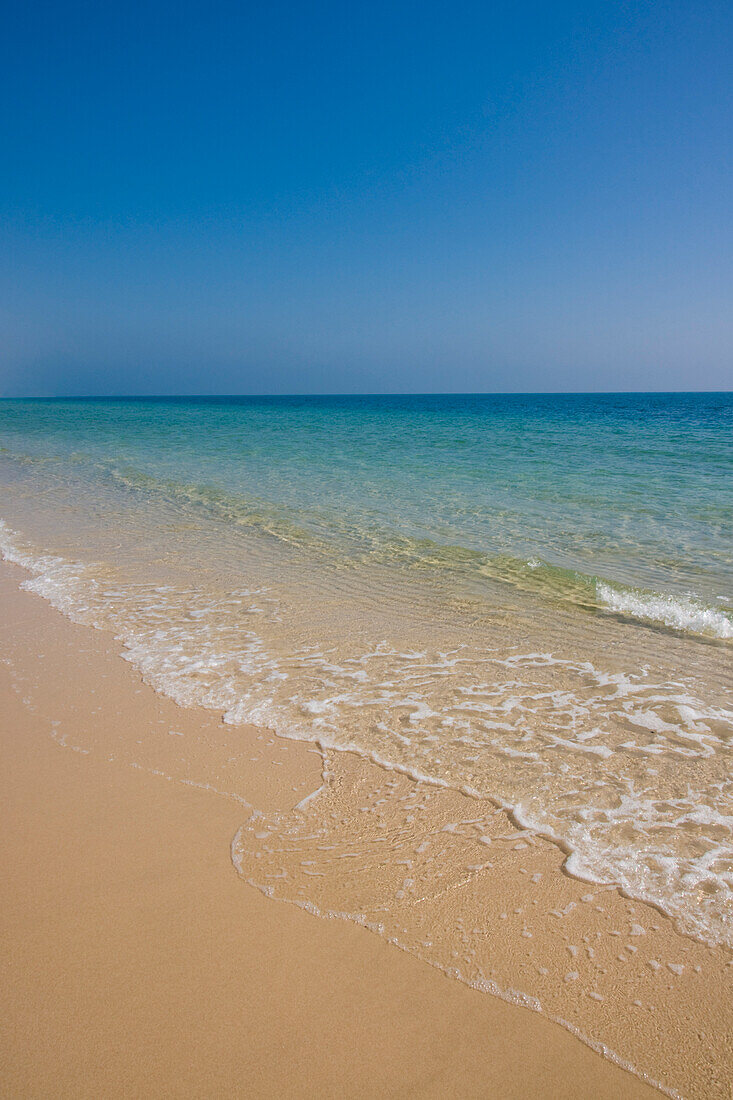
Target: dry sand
<point x="135" y="962"/>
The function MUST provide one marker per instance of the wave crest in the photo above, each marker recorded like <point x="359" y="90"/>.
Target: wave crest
<point x="678" y="612"/>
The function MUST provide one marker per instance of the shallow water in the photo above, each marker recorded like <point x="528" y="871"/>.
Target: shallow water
<point x="525" y="598"/>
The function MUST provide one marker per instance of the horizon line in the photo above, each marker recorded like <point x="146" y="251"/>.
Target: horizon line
<point x="369" y="393"/>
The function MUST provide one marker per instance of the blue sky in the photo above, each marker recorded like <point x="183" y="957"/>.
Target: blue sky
<point x="390" y="197"/>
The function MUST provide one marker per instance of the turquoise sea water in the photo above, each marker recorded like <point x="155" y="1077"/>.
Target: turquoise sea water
<point x="634" y="490"/>
<point x="528" y="597"/>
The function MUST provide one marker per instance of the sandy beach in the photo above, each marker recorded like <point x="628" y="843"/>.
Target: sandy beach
<point x="366" y="585"/>
<point x="136" y="962"/>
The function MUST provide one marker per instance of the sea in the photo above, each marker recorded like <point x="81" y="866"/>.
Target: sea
<point x="525" y="598"/>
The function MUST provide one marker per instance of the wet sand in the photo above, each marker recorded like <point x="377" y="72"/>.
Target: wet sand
<point x="136" y="962"/>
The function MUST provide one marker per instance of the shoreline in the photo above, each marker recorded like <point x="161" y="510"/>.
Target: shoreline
<point x="141" y="898"/>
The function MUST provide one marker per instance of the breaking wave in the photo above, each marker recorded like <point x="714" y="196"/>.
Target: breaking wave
<point x="677" y="612"/>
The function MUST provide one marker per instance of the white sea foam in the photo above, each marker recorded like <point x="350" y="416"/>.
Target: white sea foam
<point x="679" y="612"/>
<point x="571" y="747"/>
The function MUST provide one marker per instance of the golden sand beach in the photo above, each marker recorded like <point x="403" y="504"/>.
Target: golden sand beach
<point x="366" y="585"/>
<point x="137" y="963"/>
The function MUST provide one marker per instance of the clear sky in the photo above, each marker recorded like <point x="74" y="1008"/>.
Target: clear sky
<point x="344" y="197"/>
